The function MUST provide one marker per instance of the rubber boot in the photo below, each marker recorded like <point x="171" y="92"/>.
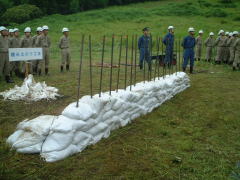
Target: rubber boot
<point x="61" y="69"/>
<point x="46" y="71"/>
<point x="191" y="70"/>
<point x="67" y="67"/>
<point x="141" y="66"/>
<point x="39" y="72"/>
<point x="184" y="69"/>
<point x="234" y="68"/>
<point x="8" y="79"/>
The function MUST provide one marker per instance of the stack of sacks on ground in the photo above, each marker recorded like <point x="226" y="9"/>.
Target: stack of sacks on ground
<point x="56" y="137"/>
<point x="31" y="91"/>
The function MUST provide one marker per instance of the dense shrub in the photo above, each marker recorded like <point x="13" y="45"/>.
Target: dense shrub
<point x="216" y="13"/>
<point x="21" y="13"/>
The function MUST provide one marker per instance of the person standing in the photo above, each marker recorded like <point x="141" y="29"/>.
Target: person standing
<point x="209" y="43"/>
<point x="36" y="67"/>
<point x="199" y="45"/>
<point x="4" y="59"/>
<point x="16" y="43"/>
<point x="226" y="48"/>
<point x="64" y="44"/>
<point x="231" y="42"/>
<point x="220" y="43"/>
<point x="168" y="41"/>
<point x="236" y="46"/>
<point x="143" y="46"/>
<point x="188" y="45"/>
<point x="44" y="42"/>
<point x="27" y="42"/>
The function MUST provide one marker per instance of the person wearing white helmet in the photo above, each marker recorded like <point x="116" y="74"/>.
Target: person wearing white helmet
<point x="11" y="34"/>
<point x="220" y="44"/>
<point x="27" y="42"/>
<point x="188" y="44"/>
<point x="226" y="48"/>
<point x="36" y="66"/>
<point x="199" y="43"/>
<point x="209" y="43"/>
<point x="4" y="59"/>
<point x="16" y="43"/>
<point x="168" y="41"/>
<point x="231" y="42"/>
<point x="236" y="46"/>
<point x="44" y="42"/>
<point x="64" y="45"/>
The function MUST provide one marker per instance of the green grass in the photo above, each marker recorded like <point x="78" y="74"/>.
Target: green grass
<point x="199" y="125"/>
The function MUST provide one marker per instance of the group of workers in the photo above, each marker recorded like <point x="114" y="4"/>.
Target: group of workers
<point x="227" y="48"/>
<point x="11" y="39"/>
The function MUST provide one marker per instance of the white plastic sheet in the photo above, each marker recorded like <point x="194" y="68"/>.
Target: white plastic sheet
<point x="31" y="91"/>
<point x="56" y="138"/>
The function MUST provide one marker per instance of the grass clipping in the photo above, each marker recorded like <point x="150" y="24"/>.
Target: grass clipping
<point x="31" y="91"/>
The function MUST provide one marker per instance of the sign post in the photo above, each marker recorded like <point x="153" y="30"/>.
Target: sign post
<point x="25" y="54"/>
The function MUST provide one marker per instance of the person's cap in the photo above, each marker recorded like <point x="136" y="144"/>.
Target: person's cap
<point x="227" y="33"/>
<point x="200" y="32"/>
<point x="11" y="30"/>
<point x="65" y="29"/>
<point x="191" y="29"/>
<point x="230" y="34"/>
<point x="45" y="27"/>
<point x="2" y="28"/>
<point x="170" y="27"/>
<point x="39" y="29"/>
<point x="146" y="29"/>
<point x="221" y="31"/>
<point x="211" y="34"/>
<point x="235" y="33"/>
<point x="15" y="29"/>
<point x="27" y="30"/>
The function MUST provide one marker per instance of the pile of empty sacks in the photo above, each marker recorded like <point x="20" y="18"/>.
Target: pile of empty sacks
<point x="57" y="137"/>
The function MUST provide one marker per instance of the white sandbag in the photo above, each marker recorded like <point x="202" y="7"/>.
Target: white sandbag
<point x="64" y="124"/>
<point x="32" y="149"/>
<point x="57" y="138"/>
<point x="58" y="155"/>
<point x="57" y="141"/>
<point x="82" y="138"/>
<point x="31" y="91"/>
<point x="82" y="112"/>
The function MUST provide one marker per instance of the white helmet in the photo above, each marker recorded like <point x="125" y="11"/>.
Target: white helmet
<point x="235" y="33"/>
<point x="65" y="29"/>
<point x="39" y="29"/>
<point x="27" y="29"/>
<point x="2" y="28"/>
<point x="211" y="34"/>
<point x="11" y="30"/>
<point x="230" y="34"/>
<point x="170" y="27"/>
<point x="45" y="27"/>
<point x="227" y="33"/>
<point x="191" y="29"/>
<point x="15" y="29"/>
<point x="200" y="32"/>
<point x="221" y="31"/>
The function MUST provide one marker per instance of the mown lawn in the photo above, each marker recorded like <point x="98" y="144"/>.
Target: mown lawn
<point x="195" y="135"/>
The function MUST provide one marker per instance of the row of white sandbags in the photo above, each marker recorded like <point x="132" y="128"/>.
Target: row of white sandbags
<point x="31" y="91"/>
<point x="56" y="137"/>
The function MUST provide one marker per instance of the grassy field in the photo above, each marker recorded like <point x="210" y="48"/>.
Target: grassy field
<point x="193" y="136"/>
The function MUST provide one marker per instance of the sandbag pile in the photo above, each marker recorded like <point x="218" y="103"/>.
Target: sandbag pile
<point x="57" y="137"/>
<point x="31" y="91"/>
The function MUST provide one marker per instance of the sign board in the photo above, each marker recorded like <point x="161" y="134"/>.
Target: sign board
<point x="25" y="54"/>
